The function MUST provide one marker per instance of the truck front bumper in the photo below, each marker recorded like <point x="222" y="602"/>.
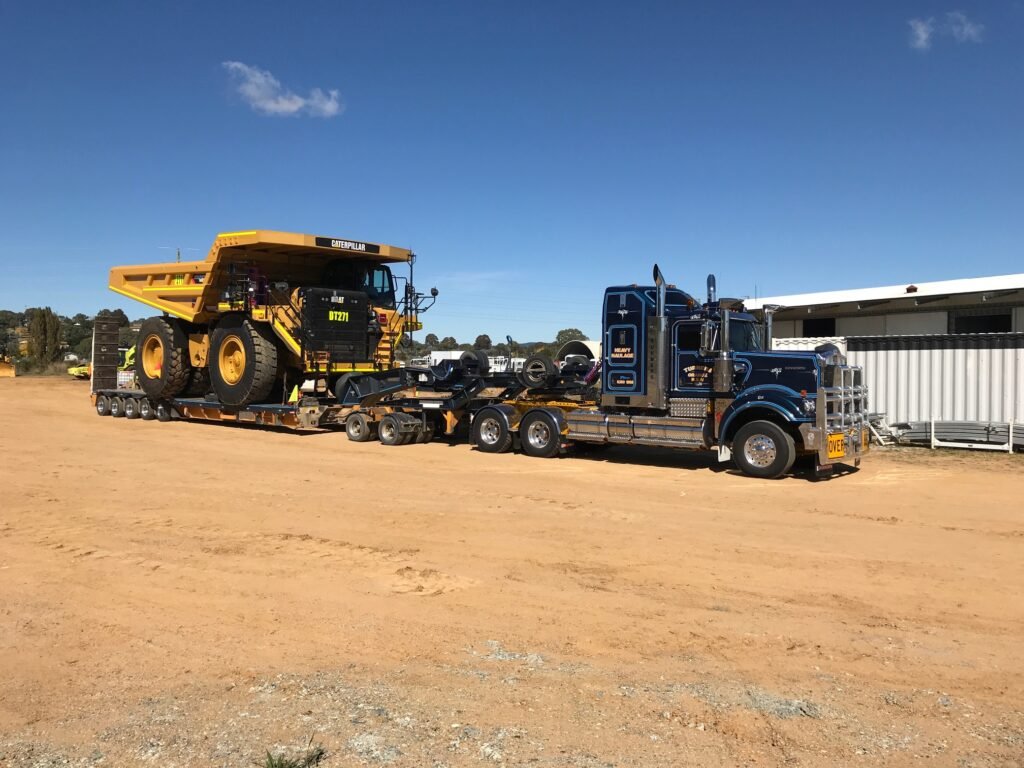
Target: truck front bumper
<point x="840" y="432"/>
<point x="836" y="446"/>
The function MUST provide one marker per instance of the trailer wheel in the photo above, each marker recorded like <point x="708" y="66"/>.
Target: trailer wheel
<point x="763" y="449"/>
<point x="116" y="407"/>
<point x="475" y="361"/>
<point x="146" y="410"/>
<point x="357" y="427"/>
<point x="131" y="408"/>
<point x="163" y="412"/>
<point x="243" y="361"/>
<point x="539" y="435"/>
<point x="426" y="433"/>
<point x="102" y="405"/>
<point x="489" y="432"/>
<point x="536" y="371"/>
<point x="161" y="361"/>
<point x="389" y="432"/>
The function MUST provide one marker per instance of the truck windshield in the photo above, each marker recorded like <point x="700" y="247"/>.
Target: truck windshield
<point x="745" y="336"/>
<point x="380" y="288"/>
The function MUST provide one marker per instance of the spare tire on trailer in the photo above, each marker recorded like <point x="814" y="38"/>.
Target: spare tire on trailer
<point x="161" y="362"/>
<point x="243" y="361"/>
<point x="537" y="370"/>
<point x="475" y="361"/>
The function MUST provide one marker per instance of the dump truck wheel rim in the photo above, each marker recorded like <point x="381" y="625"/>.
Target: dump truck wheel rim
<point x="153" y="356"/>
<point x="490" y="430"/>
<point x="231" y="359"/>
<point x="539" y="434"/>
<point x="760" y="450"/>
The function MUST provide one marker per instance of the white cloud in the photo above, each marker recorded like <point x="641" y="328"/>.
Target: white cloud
<point x="956" y="25"/>
<point x="963" y="29"/>
<point x="264" y="93"/>
<point x="921" y="31"/>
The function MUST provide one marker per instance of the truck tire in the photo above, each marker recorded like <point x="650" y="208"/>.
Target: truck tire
<point x="476" y="362"/>
<point x="357" y="428"/>
<point x="242" y="361"/>
<point x="102" y="405"/>
<point x="198" y="383"/>
<point x="131" y="408"/>
<point x="763" y="449"/>
<point x="389" y="431"/>
<point x="161" y="361"/>
<point x="489" y="432"/>
<point x="426" y="433"/>
<point x="116" y="407"/>
<point x="146" y="409"/>
<point x="539" y="435"/>
<point x="163" y="412"/>
<point x="537" y="369"/>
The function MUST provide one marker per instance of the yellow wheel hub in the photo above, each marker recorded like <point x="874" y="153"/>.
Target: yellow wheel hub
<point x="152" y="356"/>
<point x="231" y="360"/>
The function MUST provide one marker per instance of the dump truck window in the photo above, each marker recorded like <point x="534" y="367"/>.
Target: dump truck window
<point x="380" y="287"/>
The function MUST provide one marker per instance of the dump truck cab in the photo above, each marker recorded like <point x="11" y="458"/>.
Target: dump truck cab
<point x="266" y="310"/>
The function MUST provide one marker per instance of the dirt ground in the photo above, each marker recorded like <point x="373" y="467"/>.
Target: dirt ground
<point x="195" y="595"/>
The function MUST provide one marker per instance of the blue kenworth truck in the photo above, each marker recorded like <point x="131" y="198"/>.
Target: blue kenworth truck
<point x="672" y="372"/>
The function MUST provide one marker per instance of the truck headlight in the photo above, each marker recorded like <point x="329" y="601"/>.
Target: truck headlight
<point x="809" y="406"/>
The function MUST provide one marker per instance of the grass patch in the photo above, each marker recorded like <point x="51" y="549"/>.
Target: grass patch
<point x="312" y="757"/>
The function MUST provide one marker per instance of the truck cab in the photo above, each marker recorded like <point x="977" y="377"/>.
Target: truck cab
<point x="689" y="374"/>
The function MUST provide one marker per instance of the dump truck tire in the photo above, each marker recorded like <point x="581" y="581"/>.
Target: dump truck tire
<point x="243" y="361"/>
<point x="161" y="362"/>
<point x="198" y="383"/>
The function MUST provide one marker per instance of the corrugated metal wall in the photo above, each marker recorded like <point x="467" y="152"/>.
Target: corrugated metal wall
<point x="962" y="377"/>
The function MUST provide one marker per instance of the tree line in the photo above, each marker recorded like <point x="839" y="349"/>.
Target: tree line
<point x="51" y="336"/>
<point x="411" y="348"/>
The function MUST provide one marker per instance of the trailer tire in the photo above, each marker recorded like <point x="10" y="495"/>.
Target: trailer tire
<point x="475" y="361"/>
<point x="102" y="405"/>
<point x="243" y="361"/>
<point x="539" y="435"/>
<point x="389" y="431"/>
<point x="426" y="433"/>
<point x="357" y="428"/>
<point x="116" y="407"/>
<point x="763" y="449"/>
<point x="146" y="410"/>
<point x="490" y="433"/>
<point x="131" y="408"/>
<point x="537" y="369"/>
<point x="161" y="361"/>
<point x="163" y="412"/>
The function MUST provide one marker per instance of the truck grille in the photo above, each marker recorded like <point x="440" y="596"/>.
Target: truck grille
<point x="843" y="401"/>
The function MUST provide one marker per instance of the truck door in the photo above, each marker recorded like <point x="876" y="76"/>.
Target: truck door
<point x="691" y="375"/>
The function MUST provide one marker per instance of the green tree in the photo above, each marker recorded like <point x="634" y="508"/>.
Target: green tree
<point x="431" y="340"/>
<point x="44" y="336"/>
<point x="115" y="314"/>
<point x="448" y="343"/>
<point x="483" y="341"/>
<point x="566" y="335"/>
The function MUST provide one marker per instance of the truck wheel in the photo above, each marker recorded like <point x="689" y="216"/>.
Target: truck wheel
<point x="198" y="383"/>
<point x="163" y="412"/>
<point x="536" y="371"/>
<point x="763" y="449"/>
<point x="243" y="361"/>
<point x="489" y="432"/>
<point x="131" y="408"/>
<point x="357" y="427"/>
<point x="475" y="361"/>
<point x="102" y="405"/>
<point x="426" y="433"/>
<point x="389" y="432"/>
<point x="146" y="410"/>
<point x="161" y="361"/>
<point x="539" y="435"/>
<point x="116" y="407"/>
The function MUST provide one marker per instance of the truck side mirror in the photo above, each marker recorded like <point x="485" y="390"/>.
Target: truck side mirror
<point x="707" y="338"/>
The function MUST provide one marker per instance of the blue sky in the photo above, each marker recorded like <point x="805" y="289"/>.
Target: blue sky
<point x="531" y="153"/>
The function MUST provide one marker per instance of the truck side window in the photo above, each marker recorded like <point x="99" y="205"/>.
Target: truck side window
<point x="688" y="337"/>
<point x="379" y="287"/>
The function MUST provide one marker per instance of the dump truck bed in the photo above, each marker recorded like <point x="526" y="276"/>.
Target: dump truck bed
<point x="191" y="289"/>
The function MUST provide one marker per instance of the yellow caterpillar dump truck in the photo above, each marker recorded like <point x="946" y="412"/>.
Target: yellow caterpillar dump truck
<point x="267" y="310"/>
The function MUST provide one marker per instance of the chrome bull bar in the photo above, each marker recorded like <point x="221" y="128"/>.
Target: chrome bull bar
<point x="841" y="431"/>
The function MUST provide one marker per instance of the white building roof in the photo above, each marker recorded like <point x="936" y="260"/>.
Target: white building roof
<point x="995" y="284"/>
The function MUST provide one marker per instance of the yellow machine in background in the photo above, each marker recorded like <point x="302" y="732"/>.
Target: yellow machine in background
<point x="6" y="368"/>
<point x="266" y="310"/>
<point x="126" y="361"/>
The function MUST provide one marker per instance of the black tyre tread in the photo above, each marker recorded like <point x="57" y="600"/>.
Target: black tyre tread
<point x="176" y="363"/>
<point x="533" y="381"/>
<point x="102" y="405"/>
<point x="264" y="363"/>
<point x="198" y="383"/>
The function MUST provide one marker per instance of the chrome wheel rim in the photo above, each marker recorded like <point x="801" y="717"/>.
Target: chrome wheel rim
<point x="355" y="427"/>
<point x="387" y="430"/>
<point x="760" y="451"/>
<point x="490" y="431"/>
<point x="539" y="434"/>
